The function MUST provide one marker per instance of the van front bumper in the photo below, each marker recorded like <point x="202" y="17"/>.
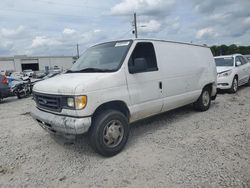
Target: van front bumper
<point x="60" y="124"/>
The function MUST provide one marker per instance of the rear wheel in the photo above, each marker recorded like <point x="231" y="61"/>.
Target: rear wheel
<point x="204" y="101"/>
<point x="109" y="133"/>
<point x="20" y="95"/>
<point x="234" y="87"/>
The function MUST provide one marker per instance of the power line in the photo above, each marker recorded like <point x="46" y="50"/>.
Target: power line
<point x="125" y="34"/>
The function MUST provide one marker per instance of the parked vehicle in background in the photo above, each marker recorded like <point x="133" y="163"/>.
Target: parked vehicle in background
<point x="28" y="72"/>
<point x="116" y="83"/>
<point x="5" y="90"/>
<point x="55" y="69"/>
<point x="17" y="75"/>
<point x="233" y="71"/>
<point x="21" y="88"/>
<point x="248" y="57"/>
<point x="2" y="72"/>
<point x="39" y="74"/>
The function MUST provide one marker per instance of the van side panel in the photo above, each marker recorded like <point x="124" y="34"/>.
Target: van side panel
<point x="185" y="71"/>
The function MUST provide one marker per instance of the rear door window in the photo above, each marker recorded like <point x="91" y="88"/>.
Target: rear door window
<point x="243" y="61"/>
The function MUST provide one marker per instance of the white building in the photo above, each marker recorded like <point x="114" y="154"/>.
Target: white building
<point x="36" y="63"/>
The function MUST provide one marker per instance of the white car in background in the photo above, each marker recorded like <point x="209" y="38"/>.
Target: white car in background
<point x="232" y="72"/>
<point x="28" y="72"/>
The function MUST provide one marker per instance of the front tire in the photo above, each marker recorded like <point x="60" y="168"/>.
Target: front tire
<point x="109" y="133"/>
<point x="234" y="87"/>
<point x="204" y="101"/>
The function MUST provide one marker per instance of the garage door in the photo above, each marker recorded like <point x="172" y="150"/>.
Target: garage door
<point x="30" y="64"/>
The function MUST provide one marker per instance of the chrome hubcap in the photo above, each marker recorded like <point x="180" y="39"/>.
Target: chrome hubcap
<point x="113" y="133"/>
<point x="235" y="85"/>
<point x="205" y="98"/>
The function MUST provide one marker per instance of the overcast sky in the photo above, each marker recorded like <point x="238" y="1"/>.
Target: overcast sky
<point x="54" y="27"/>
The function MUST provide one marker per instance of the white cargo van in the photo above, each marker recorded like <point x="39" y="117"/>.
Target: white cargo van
<point x="116" y="83"/>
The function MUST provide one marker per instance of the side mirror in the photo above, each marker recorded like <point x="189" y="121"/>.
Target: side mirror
<point x="140" y="65"/>
<point x="238" y="63"/>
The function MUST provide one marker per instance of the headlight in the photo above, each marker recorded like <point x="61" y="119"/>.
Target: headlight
<point x="80" y="102"/>
<point x="70" y="102"/>
<point x="77" y="102"/>
<point x="225" y="74"/>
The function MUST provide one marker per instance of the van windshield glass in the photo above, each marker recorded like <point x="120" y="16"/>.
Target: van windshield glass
<point x="105" y="57"/>
<point x="224" y="62"/>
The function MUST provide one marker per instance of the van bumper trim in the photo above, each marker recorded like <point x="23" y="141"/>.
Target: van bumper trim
<point x="61" y="124"/>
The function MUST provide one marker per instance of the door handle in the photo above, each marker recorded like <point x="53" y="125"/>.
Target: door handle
<point x="160" y="85"/>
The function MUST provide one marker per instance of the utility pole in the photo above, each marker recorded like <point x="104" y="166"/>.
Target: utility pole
<point x="77" y="50"/>
<point x="135" y="25"/>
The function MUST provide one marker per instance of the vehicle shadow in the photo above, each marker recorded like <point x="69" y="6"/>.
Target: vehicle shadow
<point x="80" y="143"/>
<point x="157" y="122"/>
<point x="8" y="100"/>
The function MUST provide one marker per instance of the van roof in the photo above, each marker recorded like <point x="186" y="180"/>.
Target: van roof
<point x="158" y="40"/>
<point x="169" y="41"/>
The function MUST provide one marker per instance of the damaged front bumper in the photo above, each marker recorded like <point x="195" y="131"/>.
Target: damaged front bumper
<point x="60" y="124"/>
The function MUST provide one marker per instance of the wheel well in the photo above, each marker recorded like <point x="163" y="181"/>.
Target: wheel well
<point x="115" y="105"/>
<point x="210" y="86"/>
<point x="236" y="76"/>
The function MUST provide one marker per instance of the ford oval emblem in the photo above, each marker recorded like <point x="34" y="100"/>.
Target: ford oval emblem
<point x="45" y="101"/>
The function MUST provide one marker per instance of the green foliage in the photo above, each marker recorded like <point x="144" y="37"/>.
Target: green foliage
<point x="228" y="50"/>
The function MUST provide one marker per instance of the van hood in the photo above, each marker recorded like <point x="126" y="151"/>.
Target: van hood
<point x="223" y="69"/>
<point x="77" y="83"/>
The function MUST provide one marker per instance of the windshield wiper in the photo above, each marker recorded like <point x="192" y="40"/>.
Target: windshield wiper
<point x="90" y="70"/>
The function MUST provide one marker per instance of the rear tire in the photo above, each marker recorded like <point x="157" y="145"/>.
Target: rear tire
<point x="19" y="96"/>
<point x="109" y="133"/>
<point x="234" y="87"/>
<point x="204" y="101"/>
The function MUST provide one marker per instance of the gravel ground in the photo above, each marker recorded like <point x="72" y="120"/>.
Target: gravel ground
<point x="181" y="148"/>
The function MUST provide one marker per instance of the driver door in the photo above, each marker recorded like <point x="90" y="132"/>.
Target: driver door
<point x="145" y="87"/>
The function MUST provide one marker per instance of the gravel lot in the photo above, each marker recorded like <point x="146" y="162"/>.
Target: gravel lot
<point x="181" y="148"/>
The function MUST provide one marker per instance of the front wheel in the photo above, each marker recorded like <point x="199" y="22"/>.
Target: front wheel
<point x="234" y="87"/>
<point x="204" y="101"/>
<point x="109" y="133"/>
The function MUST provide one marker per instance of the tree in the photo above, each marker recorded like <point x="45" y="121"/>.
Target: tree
<point x="228" y="50"/>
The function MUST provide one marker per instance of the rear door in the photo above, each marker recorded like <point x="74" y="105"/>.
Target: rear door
<point x="145" y="88"/>
<point x="246" y="68"/>
<point x="241" y="70"/>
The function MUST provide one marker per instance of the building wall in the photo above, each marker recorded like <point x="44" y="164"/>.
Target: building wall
<point x="15" y="63"/>
<point x="7" y="64"/>
<point x="62" y="62"/>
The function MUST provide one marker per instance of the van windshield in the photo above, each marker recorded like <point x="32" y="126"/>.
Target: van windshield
<point x="224" y="62"/>
<point x="105" y="57"/>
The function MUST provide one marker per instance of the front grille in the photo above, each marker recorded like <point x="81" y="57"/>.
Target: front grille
<point x="49" y="102"/>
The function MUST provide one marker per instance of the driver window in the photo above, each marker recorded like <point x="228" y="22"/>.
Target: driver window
<point x="144" y="50"/>
<point x="237" y="59"/>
